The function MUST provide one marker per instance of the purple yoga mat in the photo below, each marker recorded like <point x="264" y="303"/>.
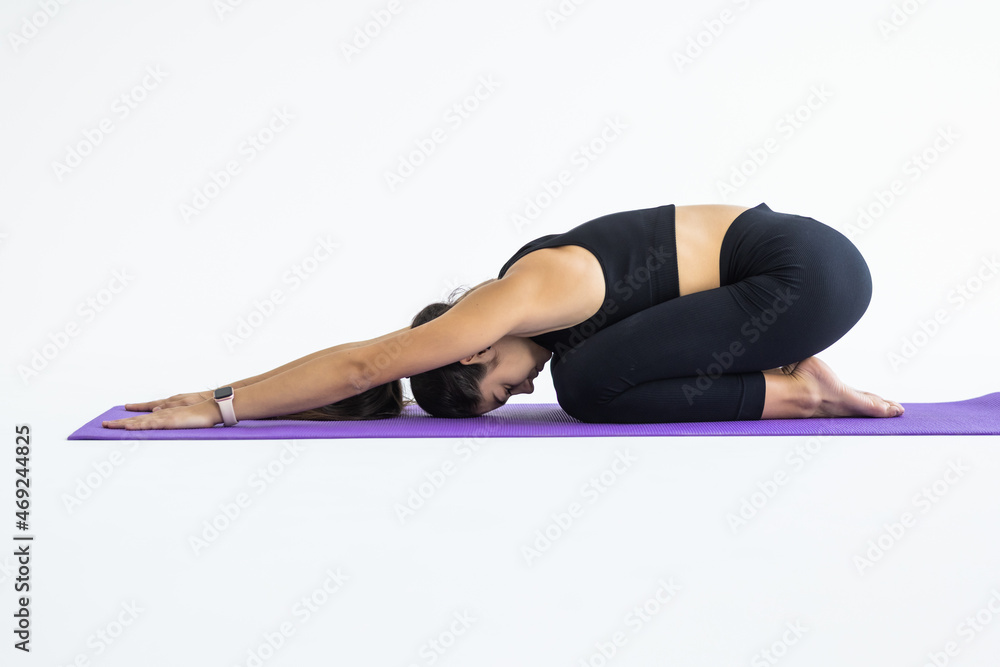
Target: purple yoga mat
<point x="976" y="416"/>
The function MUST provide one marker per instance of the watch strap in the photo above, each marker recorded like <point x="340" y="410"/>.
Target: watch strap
<point x="224" y="398"/>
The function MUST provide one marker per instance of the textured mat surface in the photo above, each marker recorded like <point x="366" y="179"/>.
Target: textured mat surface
<point x="976" y="416"/>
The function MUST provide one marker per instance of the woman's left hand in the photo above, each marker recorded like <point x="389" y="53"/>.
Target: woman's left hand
<point x="200" y="415"/>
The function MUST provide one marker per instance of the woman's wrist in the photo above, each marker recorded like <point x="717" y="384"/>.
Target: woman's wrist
<point x="210" y="409"/>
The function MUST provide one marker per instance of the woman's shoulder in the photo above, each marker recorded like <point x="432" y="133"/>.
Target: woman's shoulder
<point x="566" y="286"/>
<point x="528" y="247"/>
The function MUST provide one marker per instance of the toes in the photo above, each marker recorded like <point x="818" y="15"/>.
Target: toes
<point x="879" y="404"/>
<point x="883" y="407"/>
<point x="875" y="406"/>
<point x="892" y="409"/>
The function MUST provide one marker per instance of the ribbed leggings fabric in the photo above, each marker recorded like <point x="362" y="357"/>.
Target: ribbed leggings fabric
<point x="791" y="286"/>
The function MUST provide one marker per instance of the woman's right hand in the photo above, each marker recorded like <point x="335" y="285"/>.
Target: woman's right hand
<point x="178" y="401"/>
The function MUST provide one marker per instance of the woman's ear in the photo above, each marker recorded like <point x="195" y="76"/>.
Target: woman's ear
<point x="472" y="359"/>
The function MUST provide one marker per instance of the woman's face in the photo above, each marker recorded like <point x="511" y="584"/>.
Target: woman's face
<point x="520" y="362"/>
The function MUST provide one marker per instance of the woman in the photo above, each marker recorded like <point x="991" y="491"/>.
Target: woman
<point x="672" y="313"/>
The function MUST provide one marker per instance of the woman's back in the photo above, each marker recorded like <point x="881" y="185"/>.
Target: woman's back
<point x="619" y="264"/>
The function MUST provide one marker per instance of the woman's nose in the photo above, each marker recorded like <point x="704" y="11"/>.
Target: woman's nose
<point x="525" y="387"/>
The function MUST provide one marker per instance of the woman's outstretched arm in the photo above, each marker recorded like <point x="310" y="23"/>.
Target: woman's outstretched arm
<point x="197" y="397"/>
<point x="324" y="379"/>
<point x="478" y="321"/>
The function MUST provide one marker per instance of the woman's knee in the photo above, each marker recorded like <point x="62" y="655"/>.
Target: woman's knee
<point x="585" y="408"/>
<point x="576" y="390"/>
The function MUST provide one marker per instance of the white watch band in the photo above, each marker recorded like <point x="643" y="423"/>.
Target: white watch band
<point x="226" y="406"/>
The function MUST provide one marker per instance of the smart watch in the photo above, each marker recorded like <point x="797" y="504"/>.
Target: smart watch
<point x="224" y="397"/>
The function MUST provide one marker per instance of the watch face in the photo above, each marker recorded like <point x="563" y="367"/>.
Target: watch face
<point x="223" y="392"/>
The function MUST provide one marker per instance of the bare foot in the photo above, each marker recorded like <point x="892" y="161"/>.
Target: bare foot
<point x="836" y="399"/>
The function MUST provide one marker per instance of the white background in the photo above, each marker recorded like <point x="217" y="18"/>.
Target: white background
<point x="894" y="78"/>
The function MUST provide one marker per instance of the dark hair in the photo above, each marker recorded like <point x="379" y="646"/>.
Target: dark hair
<point x="452" y="390"/>
<point x="378" y="402"/>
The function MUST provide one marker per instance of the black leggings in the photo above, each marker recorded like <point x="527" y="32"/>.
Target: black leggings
<point x="790" y="287"/>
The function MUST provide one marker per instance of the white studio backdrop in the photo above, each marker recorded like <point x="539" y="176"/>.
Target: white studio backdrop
<point x="197" y="192"/>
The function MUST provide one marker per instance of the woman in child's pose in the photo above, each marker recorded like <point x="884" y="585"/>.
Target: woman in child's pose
<point x="666" y="314"/>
